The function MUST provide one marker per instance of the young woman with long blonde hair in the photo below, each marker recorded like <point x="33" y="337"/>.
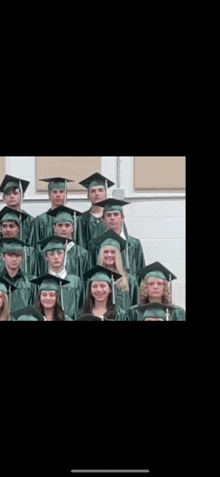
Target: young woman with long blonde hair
<point x="126" y="288"/>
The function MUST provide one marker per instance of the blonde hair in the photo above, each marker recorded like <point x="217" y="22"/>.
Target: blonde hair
<point x="123" y="282"/>
<point x="144" y="296"/>
<point x="4" y="312"/>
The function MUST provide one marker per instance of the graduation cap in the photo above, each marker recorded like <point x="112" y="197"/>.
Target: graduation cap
<point x="102" y="274"/>
<point x="7" y="214"/>
<point x="29" y="313"/>
<point x="156" y="270"/>
<point x="12" y="244"/>
<point x="110" y="237"/>
<point x="95" y="180"/>
<point x="49" y="282"/>
<point x="112" y="204"/>
<point x="65" y="214"/>
<point x="155" y="310"/>
<point x="11" y="181"/>
<point x="57" y="182"/>
<point x="54" y="242"/>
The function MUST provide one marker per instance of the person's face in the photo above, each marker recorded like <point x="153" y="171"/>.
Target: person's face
<point x="12" y="260"/>
<point x="97" y="194"/>
<point x="57" y="197"/>
<point x="55" y="258"/>
<point x="12" y="198"/>
<point x="100" y="291"/>
<point x="109" y="256"/>
<point x="1" y="300"/>
<point x="9" y="229"/>
<point x="114" y="220"/>
<point x="48" y="299"/>
<point x="64" y="229"/>
<point x="155" y="288"/>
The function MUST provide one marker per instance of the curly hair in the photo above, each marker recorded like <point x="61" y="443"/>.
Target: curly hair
<point x="4" y="312"/>
<point x="58" y="313"/>
<point x="144" y="297"/>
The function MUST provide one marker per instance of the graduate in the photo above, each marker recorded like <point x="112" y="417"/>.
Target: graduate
<point x="5" y="293"/>
<point x="100" y="302"/>
<point x="54" y="252"/>
<point x="13" y="255"/>
<point x="90" y="224"/>
<point x="11" y="226"/>
<point x="29" y="313"/>
<point x="113" y="217"/>
<point x="156" y="286"/>
<point x="42" y="225"/>
<point x="13" y="190"/>
<point x="77" y="260"/>
<point x="110" y="246"/>
<point x="49" y="298"/>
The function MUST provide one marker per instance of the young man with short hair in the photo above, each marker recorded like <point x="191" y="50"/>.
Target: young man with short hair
<point x="13" y="255"/>
<point x="90" y="224"/>
<point x="42" y="225"/>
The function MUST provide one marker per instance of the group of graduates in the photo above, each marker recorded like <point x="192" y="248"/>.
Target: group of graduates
<point x="65" y="265"/>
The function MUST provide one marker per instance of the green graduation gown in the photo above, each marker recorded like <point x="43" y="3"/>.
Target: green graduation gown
<point x="88" y="227"/>
<point x="26" y="291"/>
<point x="72" y="295"/>
<point x="126" y="299"/>
<point x="26" y="225"/>
<point x="40" y="228"/>
<point x="178" y="314"/>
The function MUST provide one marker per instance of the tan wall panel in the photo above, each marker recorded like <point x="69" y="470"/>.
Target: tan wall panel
<point x="70" y="167"/>
<point x="159" y="172"/>
<point x="2" y="168"/>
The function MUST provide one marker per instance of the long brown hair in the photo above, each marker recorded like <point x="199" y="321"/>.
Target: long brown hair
<point x="58" y="313"/>
<point x="4" y="312"/>
<point x="89" y="304"/>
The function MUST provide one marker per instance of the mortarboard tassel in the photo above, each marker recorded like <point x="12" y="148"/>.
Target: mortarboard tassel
<point x="75" y="224"/>
<point x="171" y="290"/>
<point x="106" y="188"/>
<point x="25" y="259"/>
<point x="22" y="195"/>
<point x="9" y="295"/>
<point x="61" y="295"/>
<point x="127" y="257"/>
<point x="65" y="253"/>
<point x="21" y="227"/>
<point x="113" y="290"/>
<point x="65" y="200"/>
